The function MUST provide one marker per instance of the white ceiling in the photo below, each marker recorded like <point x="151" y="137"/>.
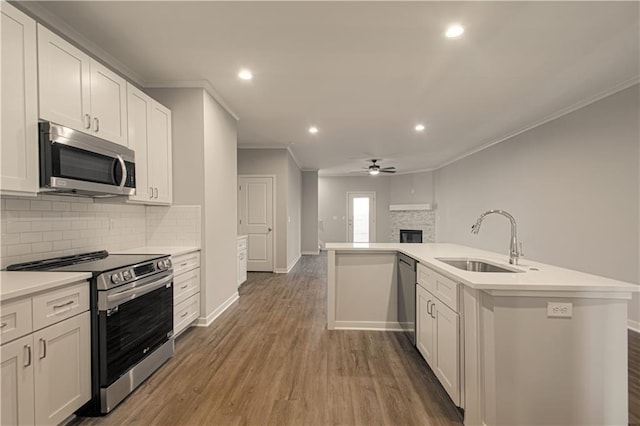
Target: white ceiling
<point x="366" y="72"/>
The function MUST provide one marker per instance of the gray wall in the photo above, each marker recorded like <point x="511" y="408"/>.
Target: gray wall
<point x="271" y="162"/>
<point x="572" y="184"/>
<point x="309" y="220"/>
<point x="294" y="193"/>
<point x="413" y="188"/>
<point x="332" y="205"/>
<point x="204" y="174"/>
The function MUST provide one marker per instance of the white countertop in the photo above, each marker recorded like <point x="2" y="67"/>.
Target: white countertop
<point x="14" y="284"/>
<point x="171" y="250"/>
<point x="546" y="278"/>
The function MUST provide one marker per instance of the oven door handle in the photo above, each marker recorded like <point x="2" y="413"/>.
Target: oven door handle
<point x="137" y="291"/>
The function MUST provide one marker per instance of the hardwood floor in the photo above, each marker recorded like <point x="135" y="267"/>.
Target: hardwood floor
<point x="268" y="360"/>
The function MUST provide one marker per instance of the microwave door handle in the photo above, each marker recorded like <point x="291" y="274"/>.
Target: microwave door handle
<point x="124" y="172"/>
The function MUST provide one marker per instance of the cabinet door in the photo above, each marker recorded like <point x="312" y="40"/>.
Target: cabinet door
<point x="447" y="365"/>
<point x="64" y="76"/>
<point x="139" y="122"/>
<point x="19" y="137"/>
<point x="159" y="151"/>
<point x="108" y="104"/>
<point x="425" y="340"/>
<point x="16" y="391"/>
<point x="62" y="369"/>
<point x="243" y="265"/>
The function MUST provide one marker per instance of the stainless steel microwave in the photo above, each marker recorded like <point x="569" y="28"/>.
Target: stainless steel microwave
<point x="73" y="162"/>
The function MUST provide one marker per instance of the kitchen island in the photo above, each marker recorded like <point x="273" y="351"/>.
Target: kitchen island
<point x="538" y="344"/>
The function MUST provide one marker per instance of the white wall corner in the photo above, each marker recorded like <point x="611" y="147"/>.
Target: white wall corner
<point x="634" y="325"/>
<point x="289" y="268"/>
<point x="206" y="322"/>
<point x="295" y="159"/>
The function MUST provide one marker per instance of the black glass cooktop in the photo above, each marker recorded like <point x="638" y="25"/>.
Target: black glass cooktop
<point x="96" y="262"/>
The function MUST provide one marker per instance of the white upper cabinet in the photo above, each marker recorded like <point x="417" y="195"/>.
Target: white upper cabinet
<point x="19" y="143"/>
<point x="159" y="152"/>
<point x="150" y="137"/>
<point x="139" y="123"/>
<point x="78" y="92"/>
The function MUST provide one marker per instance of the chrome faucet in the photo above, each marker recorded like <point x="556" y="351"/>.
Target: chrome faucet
<point x="514" y="251"/>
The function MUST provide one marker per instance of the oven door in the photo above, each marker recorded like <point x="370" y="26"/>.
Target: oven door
<point x="133" y="320"/>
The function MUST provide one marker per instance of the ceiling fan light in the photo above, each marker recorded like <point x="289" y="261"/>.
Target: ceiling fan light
<point x="374" y="172"/>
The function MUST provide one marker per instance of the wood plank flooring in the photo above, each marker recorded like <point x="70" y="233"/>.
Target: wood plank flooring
<point x="268" y="360"/>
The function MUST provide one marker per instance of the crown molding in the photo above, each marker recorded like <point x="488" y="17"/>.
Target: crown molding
<point x="192" y="84"/>
<point x="562" y="112"/>
<point x="57" y="25"/>
<point x="295" y="159"/>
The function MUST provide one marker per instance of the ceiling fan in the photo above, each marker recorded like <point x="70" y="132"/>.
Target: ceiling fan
<point x="374" y="168"/>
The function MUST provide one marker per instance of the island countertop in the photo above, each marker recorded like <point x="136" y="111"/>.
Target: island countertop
<point x="534" y="276"/>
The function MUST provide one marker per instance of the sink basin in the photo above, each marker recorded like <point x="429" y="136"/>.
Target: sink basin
<point x="475" y="265"/>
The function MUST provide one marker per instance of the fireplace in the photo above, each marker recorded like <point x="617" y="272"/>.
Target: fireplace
<point x="410" y="236"/>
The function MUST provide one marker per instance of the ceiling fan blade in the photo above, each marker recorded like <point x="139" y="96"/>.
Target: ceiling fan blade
<point x="387" y="171"/>
<point x="387" y="168"/>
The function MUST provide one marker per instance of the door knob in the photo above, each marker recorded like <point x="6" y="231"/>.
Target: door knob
<point x="269" y="229"/>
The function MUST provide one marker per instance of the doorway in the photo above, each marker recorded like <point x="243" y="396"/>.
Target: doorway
<point x="361" y="223"/>
<point x="255" y="220"/>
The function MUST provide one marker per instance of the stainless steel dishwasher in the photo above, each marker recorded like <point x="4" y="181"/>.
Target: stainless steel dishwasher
<point x="407" y="295"/>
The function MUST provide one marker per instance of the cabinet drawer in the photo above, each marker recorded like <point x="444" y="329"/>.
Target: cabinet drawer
<point x="54" y="306"/>
<point x="186" y="285"/>
<point x="16" y="320"/>
<point x="185" y="313"/>
<point x="242" y="244"/>
<point x="185" y="262"/>
<point x="442" y="287"/>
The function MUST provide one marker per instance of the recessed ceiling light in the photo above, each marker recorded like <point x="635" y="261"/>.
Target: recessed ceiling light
<point x="454" y="31"/>
<point x="419" y="127"/>
<point x="313" y="130"/>
<point x="245" y="75"/>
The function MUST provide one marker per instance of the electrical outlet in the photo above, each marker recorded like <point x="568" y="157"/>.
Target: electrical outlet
<point x="559" y="310"/>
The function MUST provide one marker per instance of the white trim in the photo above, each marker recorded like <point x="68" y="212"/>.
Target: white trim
<point x="206" y="322"/>
<point x="368" y="325"/>
<point x="192" y="84"/>
<point x="295" y="159"/>
<point x="407" y="207"/>
<point x="274" y="198"/>
<point x="289" y="268"/>
<point x="634" y="325"/>
<point x="564" y="111"/>
<point x="311" y="253"/>
<point x="57" y="25"/>
<point x="283" y="147"/>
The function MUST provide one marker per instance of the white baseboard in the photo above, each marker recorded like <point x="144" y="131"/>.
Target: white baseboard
<point x="311" y="253"/>
<point x="289" y="268"/>
<point x="634" y="325"/>
<point x="206" y="322"/>
<point x="368" y="325"/>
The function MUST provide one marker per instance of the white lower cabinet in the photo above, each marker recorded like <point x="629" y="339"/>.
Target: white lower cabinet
<point x="438" y="338"/>
<point x="46" y="372"/>
<point x="186" y="290"/>
<point x="242" y="259"/>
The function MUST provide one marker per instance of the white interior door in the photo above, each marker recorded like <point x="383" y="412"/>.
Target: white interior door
<point x="361" y="223"/>
<point x="255" y="210"/>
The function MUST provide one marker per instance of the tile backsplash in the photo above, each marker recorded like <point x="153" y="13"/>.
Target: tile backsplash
<point x="53" y="225"/>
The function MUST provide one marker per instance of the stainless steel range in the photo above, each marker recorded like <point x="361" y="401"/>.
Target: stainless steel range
<point x="131" y="321"/>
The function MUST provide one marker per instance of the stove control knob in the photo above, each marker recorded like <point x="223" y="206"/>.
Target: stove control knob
<point x="127" y="275"/>
<point x="168" y="263"/>
<point x="161" y="264"/>
<point x="115" y="278"/>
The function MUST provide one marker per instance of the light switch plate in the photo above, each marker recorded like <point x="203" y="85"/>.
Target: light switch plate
<point x="559" y="310"/>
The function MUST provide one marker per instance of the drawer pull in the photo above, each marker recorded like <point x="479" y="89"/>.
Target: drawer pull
<point x="184" y="315"/>
<point x="184" y="286"/>
<point x="44" y="348"/>
<point x="70" y="302"/>
<point x="3" y="325"/>
<point x="28" y="348"/>
<point x="184" y="264"/>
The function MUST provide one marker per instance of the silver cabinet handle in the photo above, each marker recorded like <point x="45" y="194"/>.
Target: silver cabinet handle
<point x="184" y="315"/>
<point x="156" y="191"/>
<point x="96" y="124"/>
<point x="70" y="302"/>
<point x="87" y="121"/>
<point x="151" y="192"/>
<point x="124" y="172"/>
<point x="184" y="264"/>
<point x="428" y="308"/>
<point x="433" y="305"/>
<point x="184" y="286"/>
<point x="43" y="345"/>
<point x="28" y="348"/>
<point x="3" y="325"/>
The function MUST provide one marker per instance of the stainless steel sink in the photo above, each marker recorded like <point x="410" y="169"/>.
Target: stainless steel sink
<point x="475" y="265"/>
